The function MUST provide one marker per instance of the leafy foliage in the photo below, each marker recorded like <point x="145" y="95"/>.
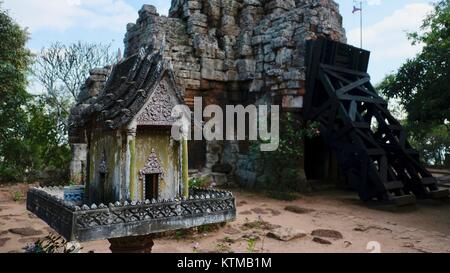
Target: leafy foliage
<point x="33" y="128"/>
<point x="422" y="86"/>
<point x="282" y="168"/>
<point x="199" y="182"/>
<point x="14" y="62"/>
<point x="17" y="196"/>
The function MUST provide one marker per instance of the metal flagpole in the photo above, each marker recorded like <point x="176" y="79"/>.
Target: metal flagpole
<point x="361" y="23"/>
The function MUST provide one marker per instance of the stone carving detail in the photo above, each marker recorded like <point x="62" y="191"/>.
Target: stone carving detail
<point x="125" y="215"/>
<point x="57" y="213"/>
<point x="159" y="109"/>
<point x="103" y="167"/>
<point x="92" y="222"/>
<point x="153" y="166"/>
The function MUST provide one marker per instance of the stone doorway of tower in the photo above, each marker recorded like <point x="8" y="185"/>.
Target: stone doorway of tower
<point x="321" y="166"/>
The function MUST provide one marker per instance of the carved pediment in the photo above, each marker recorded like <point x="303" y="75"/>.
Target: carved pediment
<point x="158" y="110"/>
<point x="153" y="165"/>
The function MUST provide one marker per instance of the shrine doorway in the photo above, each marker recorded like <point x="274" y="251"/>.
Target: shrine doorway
<point x="151" y="186"/>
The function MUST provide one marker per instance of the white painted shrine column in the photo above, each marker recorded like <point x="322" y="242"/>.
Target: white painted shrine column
<point x="78" y="164"/>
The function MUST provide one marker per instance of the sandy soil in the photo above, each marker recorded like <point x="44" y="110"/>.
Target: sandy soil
<point x="421" y="228"/>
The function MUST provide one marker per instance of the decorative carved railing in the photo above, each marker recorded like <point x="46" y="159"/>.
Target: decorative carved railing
<point x="123" y="219"/>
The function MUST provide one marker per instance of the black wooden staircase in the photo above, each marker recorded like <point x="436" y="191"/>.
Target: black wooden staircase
<point x="369" y="143"/>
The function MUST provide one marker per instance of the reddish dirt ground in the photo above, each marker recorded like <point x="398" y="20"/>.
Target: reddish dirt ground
<point x="424" y="227"/>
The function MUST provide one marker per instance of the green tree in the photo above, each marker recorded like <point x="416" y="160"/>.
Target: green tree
<point x="282" y="169"/>
<point x="422" y="86"/>
<point x="14" y="62"/>
<point x="33" y="129"/>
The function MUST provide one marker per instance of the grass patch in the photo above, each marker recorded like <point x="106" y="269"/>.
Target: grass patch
<point x="200" y="182"/>
<point x="17" y="196"/>
<point x="210" y="228"/>
<point x="251" y="244"/>
<point x="258" y="224"/>
<point x="223" y="248"/>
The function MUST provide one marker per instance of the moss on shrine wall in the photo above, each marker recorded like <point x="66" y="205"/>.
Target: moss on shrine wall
<point x="119" y="184"/>
<point x="107" y="145"/>
<point x="167" y="152"/>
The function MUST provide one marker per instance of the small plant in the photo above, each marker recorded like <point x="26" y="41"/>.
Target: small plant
<point x="258" y="224"/>
<point x="202" y="182"/>
<point x="17" y="196"/>
<point x="228" y="240"/>
<point x="223" y="248"/>
<point x="208" y="228"/>
<point x="251" y="244"/>
<point x="179" y="234"/>
<point x="281" y="168"/>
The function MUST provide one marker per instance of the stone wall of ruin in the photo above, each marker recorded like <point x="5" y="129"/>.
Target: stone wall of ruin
<point x="237" y="52"/>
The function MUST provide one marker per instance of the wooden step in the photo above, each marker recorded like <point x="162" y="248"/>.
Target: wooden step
<point x="393" y="185"/>
<point x="375" y="152"/>
<point x="395" y="127"/>
<point x="440" y="194"/>
<point x="361" y="125"/>
<point x="404" y="200"/>
<point x="429" y="181"/>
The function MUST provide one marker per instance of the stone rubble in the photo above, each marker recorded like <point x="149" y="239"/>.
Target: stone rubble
<point x="286" y="234"/>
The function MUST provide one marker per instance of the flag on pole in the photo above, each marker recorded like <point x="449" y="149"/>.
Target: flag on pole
<point x="356" y="9"/>
<point x="360" y="10"/>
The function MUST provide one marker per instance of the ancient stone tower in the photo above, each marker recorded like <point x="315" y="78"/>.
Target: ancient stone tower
<point x="231" y="52"/>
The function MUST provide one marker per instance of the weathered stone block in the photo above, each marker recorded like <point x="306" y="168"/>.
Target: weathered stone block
<point x="255" y="3"/>
<point x="148" y="10"/>
<point x="280" y="42"/>
<point x="256" y="86"/>
<point x="205" y="46"/>
<point x="292" y="102"/>
<point x="192" y="84"/>
<point x="246" y="68"/>
<point x="198" y="19"/>
<point x="284" y="57"/>
<point x="193" y="4"/>
<point x="193" y="29"/>
<point x="280" y="4"/>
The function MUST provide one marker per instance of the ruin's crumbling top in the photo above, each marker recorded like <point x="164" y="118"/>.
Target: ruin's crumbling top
<point x="261" y="41"/>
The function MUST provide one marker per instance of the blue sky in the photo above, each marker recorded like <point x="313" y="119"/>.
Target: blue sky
<point x="385" y="24"/>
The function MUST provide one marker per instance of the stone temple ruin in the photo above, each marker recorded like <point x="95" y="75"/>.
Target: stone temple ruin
<point x="228" y="53"/>
<point x="290" y="53"/>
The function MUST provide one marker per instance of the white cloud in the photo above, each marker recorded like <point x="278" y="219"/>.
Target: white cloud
<point x="65" y="14"/>
<point x="387" y="38"/>
<point x="374" y="2"/>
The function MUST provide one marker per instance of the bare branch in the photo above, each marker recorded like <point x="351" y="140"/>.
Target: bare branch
<point x="61" y="70"/>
